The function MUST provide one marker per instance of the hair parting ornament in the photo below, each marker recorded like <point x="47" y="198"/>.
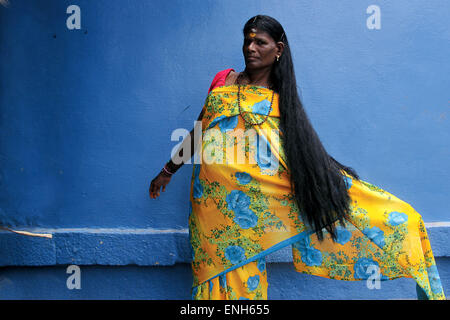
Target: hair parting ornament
<point x="252" y="34"/>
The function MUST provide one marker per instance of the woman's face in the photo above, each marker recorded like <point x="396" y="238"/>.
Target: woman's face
<point x="260" y="50"/>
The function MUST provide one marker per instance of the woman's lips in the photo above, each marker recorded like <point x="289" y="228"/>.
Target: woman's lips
<point x="252" y="58"/>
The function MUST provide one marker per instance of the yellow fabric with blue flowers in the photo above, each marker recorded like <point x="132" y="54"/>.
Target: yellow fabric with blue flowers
<point x="240" y="212"/>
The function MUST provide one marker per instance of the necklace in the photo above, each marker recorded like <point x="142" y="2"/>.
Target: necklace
<point x="239" y="104"/>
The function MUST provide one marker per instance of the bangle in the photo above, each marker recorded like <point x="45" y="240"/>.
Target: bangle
<point x="167" y="171"/>
<point x="171" y="167"/>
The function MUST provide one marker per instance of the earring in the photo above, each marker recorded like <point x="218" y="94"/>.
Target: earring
<point x="278" y="58"/>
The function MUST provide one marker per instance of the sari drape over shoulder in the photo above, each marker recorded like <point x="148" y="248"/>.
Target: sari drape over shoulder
<point x="242" y="207"/>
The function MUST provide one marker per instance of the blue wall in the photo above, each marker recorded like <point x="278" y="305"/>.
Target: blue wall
<point x="173" y="282"/>
<point x="86" y="115"/>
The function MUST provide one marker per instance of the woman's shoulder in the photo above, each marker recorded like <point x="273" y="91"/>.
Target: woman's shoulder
<point x="231" y="77"/>
<point x="222" y="78"/>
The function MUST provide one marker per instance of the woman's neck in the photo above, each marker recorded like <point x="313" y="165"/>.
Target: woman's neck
<point x="259" y="77"/>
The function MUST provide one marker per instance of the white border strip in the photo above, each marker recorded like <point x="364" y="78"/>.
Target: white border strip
<point x="437" y="224"/>
<point x="146" y="230"/>
<point x="102" y="230"/>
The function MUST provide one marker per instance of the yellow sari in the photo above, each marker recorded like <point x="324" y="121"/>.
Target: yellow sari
<point x="240" y="212"/>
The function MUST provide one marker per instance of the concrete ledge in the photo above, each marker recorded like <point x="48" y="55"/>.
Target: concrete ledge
<point x="142" y="247"/>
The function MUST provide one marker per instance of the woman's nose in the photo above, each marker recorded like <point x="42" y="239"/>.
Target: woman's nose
<point x="251" y="46"/>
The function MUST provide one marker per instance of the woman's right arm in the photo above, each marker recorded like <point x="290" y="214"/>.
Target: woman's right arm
<point x="164" y="176"/>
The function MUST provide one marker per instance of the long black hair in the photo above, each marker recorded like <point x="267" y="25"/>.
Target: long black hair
<point x="316" y="178"/>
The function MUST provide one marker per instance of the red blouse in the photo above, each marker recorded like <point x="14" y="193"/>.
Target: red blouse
<point x="219" y="79"/>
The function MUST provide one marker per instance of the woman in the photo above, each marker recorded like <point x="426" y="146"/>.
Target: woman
<point x="282" y="188"/>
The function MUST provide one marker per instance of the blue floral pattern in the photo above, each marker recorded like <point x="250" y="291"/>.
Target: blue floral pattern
<point x="348" y="182"/>
<point x="376" y="235"/>
<point x="435" y="280"/>
<point x="211" y="285"/>
<point x="262" y="264"/>
<point x="343" y="235"/>
<point x="262" y="107"/>
<point x="361" y="268"/>
<point x="225" y="123"/>
<point x="237" y="199"/>
<point x="235" y="254"/>
<point x="223" y="281"/>
<point x="310" y="256"/>
<point x="397" y="218"/>
<point x="243" y="177"/>
<point x="253" y="282"/>
<point x="245" y="218"/>
<point x="239" y="202"/>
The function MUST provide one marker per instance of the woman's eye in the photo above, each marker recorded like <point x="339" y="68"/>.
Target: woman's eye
<point x="258" y="42"/>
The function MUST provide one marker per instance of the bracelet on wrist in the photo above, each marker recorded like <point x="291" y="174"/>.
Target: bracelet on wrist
<point x="166" y="170"/>
<point x="171" y="167"/>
